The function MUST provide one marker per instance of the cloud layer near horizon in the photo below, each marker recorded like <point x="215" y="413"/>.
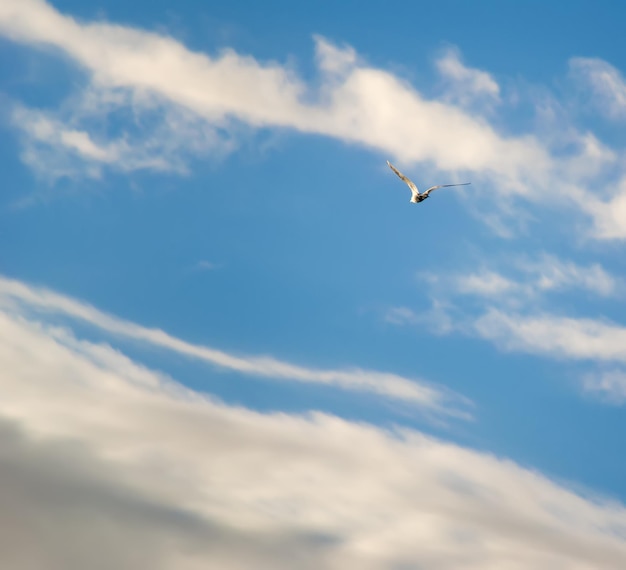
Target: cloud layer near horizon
<point x="109" y="464"/>
<point x="154" y="76"/>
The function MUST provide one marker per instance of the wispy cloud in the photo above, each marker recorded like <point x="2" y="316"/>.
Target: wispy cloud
<point x="400" y="316"/>
<point x="554" y="335"/>
<point x="516" y="307"/>
<point x="466" y="85"/>
<point x="153" y="474"/>
<point x="85" y="135"/>
<point x="438" y="319"/>
<point x="178" y="104"/>
<point x="195" y="103"/>
<point x="355" y="102"/>
<point x="606" y="84"/>
<point x="204" y="265"/>
<point x="610" y="215"/>
<point x="485" y="284"/>
<point x="549" y="273"/>
<point x="429" y="397"/>
<point x="523" y="281"/>
<point x="598" y="341"/>
<point x="610" y="385"/>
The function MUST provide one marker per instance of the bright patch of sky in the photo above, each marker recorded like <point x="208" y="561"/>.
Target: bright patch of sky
<point x="229" y="339"/>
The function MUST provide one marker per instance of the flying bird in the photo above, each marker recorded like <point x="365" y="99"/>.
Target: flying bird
<point x="416" y="196"/>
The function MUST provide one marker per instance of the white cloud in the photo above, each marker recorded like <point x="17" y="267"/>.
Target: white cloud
<point x="333" y="59"/>
<point x="609" y="385"/>
<point x="485" y="283"/>
<point x="186" y="104"/>
<point x="76" y="140"/>
<point x="428" y="397"/>
<point x="355" y="103"/>
<point x="511" y="310"/>
<point x="606" y="83"/>
<point x="467" y="85"/>
<point x="610" y="215"/>
<point x="551" y="273"/>
<point x="552" y="335"/>
<point x="109" y="464"/>
<point x="519" y="311"/>
<point x="51" y="146"/>
<point x="524" y="281"/>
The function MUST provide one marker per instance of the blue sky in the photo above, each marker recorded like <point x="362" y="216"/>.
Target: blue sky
<point x="218" y="303"/>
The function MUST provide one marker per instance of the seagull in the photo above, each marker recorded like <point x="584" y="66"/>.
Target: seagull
<point x="416" y="196"/>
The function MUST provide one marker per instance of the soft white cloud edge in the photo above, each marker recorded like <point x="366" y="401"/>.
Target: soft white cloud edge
<point x="351" y="101"/>
<point x="607" y="84"/>
<point x="510" y="307"/>
<point x="554" y="335"/>
<point x="154" y="474"/>
<point x="522" y="279"/>
<point x="430" y="398"/>
<point x="598" y="341"/>
<point x="467" y="85"/>
<point x="355" y="102"/>
<point x="609" y="385"/>
<point x="74" y="141"/>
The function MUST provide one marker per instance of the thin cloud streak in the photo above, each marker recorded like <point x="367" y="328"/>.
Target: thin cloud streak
<point x="524" y="285"/>
<point x="516" y="309"/>
<point x="527" y="280"/>
<point x="428" y="397"/>
<point x="555" y="336"/>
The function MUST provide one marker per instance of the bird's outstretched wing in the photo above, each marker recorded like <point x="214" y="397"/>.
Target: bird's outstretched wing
<point x="409" y="183"/>
<point x="427" y="192"/>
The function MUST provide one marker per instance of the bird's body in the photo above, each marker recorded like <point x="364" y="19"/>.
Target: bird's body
<point x="416" y="195"/>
